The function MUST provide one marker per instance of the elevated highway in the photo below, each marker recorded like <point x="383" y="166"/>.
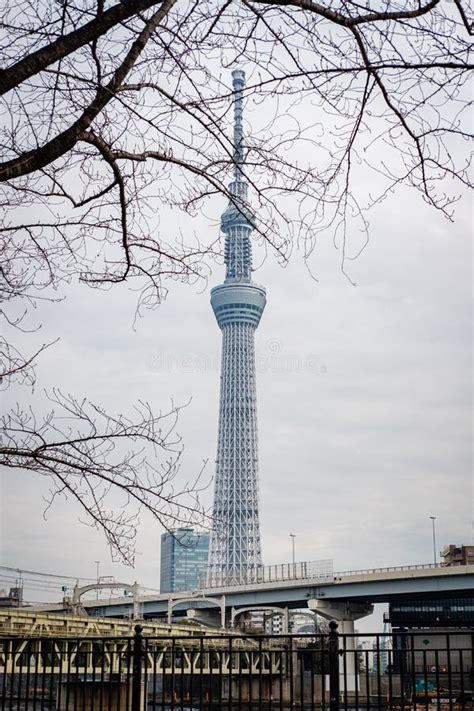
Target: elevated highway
<point x="359" y="588"/>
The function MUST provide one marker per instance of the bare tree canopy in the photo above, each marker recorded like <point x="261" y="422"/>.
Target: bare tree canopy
<point x="115" y="112"/>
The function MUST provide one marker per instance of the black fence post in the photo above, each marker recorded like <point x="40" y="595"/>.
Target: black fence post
<point x="137" y="655"/>
<point x="333" y="667"/>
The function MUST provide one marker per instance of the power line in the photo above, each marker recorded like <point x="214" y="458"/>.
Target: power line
<point x="46" y="575"/>
<point x="30" y="583"/>
<point x="24" y="580"/>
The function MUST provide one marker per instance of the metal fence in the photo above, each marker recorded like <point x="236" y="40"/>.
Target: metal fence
<point x="321" y="570"/>
<point x="306" y="570"/>
<point x="419" y="671"/>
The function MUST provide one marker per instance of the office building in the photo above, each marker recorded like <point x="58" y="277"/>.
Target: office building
<point x="183" y="564"/>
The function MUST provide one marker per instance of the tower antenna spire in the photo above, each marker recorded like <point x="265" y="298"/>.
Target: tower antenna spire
<point x="237" y="222"/>
<point x="238" y="84"/>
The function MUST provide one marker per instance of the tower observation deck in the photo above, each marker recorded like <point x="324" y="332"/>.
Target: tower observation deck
<point x="235" y="548"/>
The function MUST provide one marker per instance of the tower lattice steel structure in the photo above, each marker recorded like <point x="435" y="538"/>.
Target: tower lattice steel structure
<point x="238" y="303"/>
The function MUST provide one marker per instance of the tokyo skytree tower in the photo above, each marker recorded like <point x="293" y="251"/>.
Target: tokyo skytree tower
<point x="238" y="303"/>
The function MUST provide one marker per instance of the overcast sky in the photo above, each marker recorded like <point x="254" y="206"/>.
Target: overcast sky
<point x="364" y="400"/>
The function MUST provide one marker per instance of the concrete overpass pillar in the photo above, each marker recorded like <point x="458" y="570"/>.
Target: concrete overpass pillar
<point x="136" y="601"/>
<point x="345" y="613"/>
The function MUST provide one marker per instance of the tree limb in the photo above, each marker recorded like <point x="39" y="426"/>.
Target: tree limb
<point x="54" y="51"/>
<point x="62" y="143"/>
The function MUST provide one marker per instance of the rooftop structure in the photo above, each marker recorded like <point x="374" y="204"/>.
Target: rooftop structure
<point x="457" y="555"/>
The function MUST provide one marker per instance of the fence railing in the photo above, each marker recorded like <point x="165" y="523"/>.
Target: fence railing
<point x="320" y="570"/>
<point x="328" y="672"/>
<point x="389" y="569"/>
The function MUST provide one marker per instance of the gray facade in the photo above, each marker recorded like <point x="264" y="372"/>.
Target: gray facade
<point x="184" y="555"/>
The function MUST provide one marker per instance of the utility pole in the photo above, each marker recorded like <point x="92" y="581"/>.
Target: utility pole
<point x="433" y="519"/>
<point x="97" y="563"/>
<point x="293" y="536"/>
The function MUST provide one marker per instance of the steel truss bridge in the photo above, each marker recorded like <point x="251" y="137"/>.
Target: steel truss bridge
<point x="91" y="647"/>
<point x="28" y="624"/>
<point x="94" y="658"/>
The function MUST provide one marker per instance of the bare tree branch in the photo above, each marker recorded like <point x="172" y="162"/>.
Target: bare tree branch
<point x="36" y="62"/>
<point x="63" y="142"/>
<point x="99" y="458"/>
<point x="347" y="21"/>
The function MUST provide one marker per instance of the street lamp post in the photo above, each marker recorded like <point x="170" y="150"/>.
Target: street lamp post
<point x="97" y="564"/>
<point x="293" y="536"/>
<point x="433" y="519"/>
